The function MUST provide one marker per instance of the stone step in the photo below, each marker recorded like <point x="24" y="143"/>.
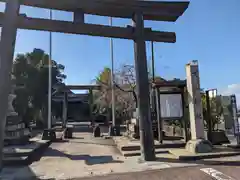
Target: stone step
<point x="26" y="152"/>
<point x="25" y="155"/>
<point x="138" y="153"/>
<point x="16" y="161"/>
<point x="157" y="146"/>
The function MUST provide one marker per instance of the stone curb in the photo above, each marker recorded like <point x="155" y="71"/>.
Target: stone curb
<point x="138" y="153"/>
<point x="134" y="150"/>
<point x="137" y="147"/>
<point x="207" y="156"/>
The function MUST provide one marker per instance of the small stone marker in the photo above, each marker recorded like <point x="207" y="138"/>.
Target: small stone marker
<point x="117" y="130"/>
<point x="114" y="131"/>
<point x="68" y="133"/>
<point x="49" y="134"/>
<point x="111" y="131"/>
<point x="97" y="131"/>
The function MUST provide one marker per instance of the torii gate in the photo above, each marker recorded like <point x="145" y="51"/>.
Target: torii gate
<point x="90" y="88"/>
<point x="137" y="10"/>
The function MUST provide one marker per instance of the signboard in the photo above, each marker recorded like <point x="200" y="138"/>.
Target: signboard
<point x="171" y="105"/>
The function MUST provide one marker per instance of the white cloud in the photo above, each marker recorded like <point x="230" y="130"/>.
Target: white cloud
<point x="232" y="89"/>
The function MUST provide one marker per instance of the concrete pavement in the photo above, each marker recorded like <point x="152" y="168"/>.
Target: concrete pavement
<point x="85" y="156"/>
<point x="82" y="157"/>
<point x="185" y="173"/>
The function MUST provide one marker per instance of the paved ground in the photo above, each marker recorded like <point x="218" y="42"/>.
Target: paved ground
<point x="85" y="156"/>
<point x="75" y="161"/>
<point x="200" y="172"/>
<point x="186" y="173"/>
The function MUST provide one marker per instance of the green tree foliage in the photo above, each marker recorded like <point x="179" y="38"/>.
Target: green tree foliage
<point x="216" y="111"/>
<point x="30" y="72"/>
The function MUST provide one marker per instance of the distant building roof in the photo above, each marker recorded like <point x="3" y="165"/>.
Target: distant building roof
<point x="170" y="83"/>
<point x="72" y="98"/>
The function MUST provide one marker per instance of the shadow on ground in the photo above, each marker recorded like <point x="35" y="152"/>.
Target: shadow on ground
<point x="89" y="160"/>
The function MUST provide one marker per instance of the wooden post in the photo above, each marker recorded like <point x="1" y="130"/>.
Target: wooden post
<point x="159" y="116"/>
<point x="78" y="16"/>
<point x="184" y="119"/>
<point x="65" y="109"/>
<point x="91" y="105"/>
<point x="209" y="118"/>
<point x="145" y="124"/>
<point x="7" y="47"/>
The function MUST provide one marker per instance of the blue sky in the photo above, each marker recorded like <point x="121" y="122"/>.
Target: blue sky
<point x="209" y="31"/>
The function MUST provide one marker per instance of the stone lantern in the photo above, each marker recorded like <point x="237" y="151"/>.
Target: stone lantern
<point x="15" y="132"/>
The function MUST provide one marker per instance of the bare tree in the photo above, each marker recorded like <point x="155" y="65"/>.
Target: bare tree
<point x="125" y="95"/>
<point x="126" y="79"/>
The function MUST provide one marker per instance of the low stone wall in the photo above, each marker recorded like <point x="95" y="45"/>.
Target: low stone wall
<point x="169" y="130"/>
<point x="173" y="131"/>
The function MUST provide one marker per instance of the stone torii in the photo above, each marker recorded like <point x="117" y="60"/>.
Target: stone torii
<point x="136" y="10"/>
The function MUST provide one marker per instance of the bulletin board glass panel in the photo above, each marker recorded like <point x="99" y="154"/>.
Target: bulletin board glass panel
<point x="171" y="105"/>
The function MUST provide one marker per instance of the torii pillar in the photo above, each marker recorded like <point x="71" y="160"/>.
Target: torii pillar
<point x="142" y="85"/>
<point x="197" y="144"/>
<point x="7" y="47"/>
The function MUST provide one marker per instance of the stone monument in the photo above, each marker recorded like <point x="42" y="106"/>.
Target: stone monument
<point x="15" y="132"/>
<point x="198" y="143"/>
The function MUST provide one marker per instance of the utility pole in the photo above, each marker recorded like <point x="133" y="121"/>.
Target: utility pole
<point x="50" y="79"/>
<point x="153" y="62"/>
<point x="112" y="79"/>
<point x="153" y="94"/>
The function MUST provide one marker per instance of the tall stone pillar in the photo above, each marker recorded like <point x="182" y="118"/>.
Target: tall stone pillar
<point x="7" y="47"/>
<point x="235" y="118"/>
<point x="197" y="144"/>
<point x="145" y="124"/>
<point x="194" y="99"/>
